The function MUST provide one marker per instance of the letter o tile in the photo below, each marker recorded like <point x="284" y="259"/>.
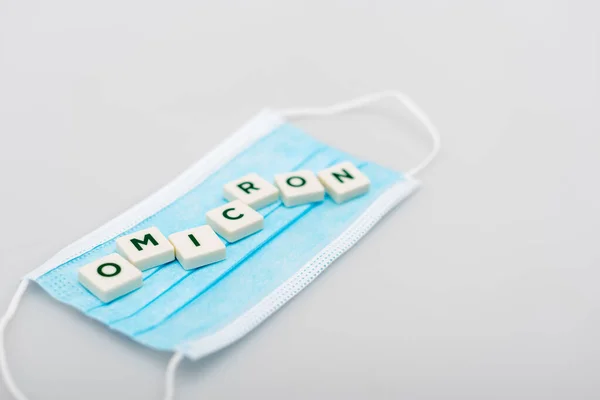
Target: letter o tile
<point x="110" y="277"/>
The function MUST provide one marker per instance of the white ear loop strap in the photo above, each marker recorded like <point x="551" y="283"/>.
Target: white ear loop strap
<point x="8" y="378"/>
<point x="170" y="375"/>
<point x="10" y="313"/>
<point x="372" y="98"/>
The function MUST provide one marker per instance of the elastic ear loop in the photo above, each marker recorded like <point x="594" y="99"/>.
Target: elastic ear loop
<point x="369" y="99"/>
<point x="170" y="375"/>
<point x="10" y="313"/>
<point x="289" y="113"/>
<point x="12" y="387"/>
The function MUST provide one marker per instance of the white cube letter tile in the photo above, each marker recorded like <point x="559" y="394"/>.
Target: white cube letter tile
<point x="299" y="187"/>
<point x="197" y="247"/>
<point x="252" y="190"/>
<point x="110" y="277"/>
<point x="146" y="248"/>
<point x="344" y="181"/>
<point x="234" y="221"/>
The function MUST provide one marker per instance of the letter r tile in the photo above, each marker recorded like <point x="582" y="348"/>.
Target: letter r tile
<point x="252" y="190"/>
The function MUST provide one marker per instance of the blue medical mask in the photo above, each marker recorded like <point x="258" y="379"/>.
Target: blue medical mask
<point x="196" y="312"/>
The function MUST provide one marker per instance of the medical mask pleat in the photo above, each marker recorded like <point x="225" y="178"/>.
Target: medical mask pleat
<point x="192" y="285"/>
<point x="268" y="267"/>
<point x="200" y="279"/>
<point x="187" y="211"/>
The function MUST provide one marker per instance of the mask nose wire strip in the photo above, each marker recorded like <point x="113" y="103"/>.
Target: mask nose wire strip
<point x="8" y="315"/>
<point x="170" y="375"/>
<point x="369" y="99"/>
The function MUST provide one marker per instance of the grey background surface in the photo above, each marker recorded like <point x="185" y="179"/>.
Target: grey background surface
<point x="482" y="286"/>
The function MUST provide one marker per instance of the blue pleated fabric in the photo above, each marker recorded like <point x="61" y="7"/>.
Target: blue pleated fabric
<point x="175" y="306"/>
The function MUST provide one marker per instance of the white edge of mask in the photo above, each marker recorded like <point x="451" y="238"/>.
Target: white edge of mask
<point x="198" y="348"/>
<point x="259" y="126"/>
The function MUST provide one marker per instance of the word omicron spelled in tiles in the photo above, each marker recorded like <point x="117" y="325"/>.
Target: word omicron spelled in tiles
<point x="120" y="273"/>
